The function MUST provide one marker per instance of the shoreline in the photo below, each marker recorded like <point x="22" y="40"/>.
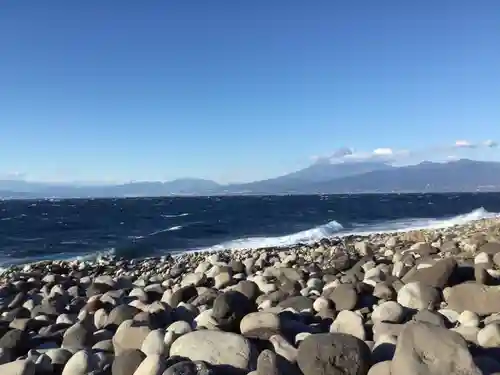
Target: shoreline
<point x="378" y="238"/>
<point x="372" y="304"/>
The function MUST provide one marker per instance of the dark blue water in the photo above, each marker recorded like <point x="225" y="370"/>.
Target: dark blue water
<point x="44" y="229"/>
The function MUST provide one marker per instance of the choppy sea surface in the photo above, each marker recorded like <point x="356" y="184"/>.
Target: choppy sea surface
<point x="139" y="227"/>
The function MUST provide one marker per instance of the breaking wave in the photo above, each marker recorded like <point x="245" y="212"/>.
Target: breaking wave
<point x="334" y="228"/>
<point x="307" y="236"/>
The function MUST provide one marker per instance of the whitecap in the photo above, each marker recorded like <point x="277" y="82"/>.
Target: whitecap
<point x="334" y="228"/>
<point x="178" y="215"/>
<point x="307" y="236"/>
<point x="406" y="225"/>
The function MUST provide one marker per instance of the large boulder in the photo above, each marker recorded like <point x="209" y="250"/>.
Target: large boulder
<point x="333" y="354"/>
<point x="16" y="341"/>
<point x="343" y="296"/>
<point x="478" y="298"/>
<point x="127" y="362"/>
<point x="20" y="367"/>
<point x="81" y="363"/>
<point x="120" y="314"/>
<point x="389" y="311"/>
<point x="418" y="296"/>
<point x="424" y="348"/>
<point x="349" y="322"/>
<point x="152" y="365"/>
<point x="229" y="308"/>
<point x="260" y="325"/>
<point x="219" y="348"/>
<point x="130" y="335"/>
<point x="436" y="276"/>
<point x="76" y="337"/>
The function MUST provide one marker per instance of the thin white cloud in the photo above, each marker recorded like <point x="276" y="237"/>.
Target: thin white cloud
<point x="13" y="176"/>
<point x="390" y="155"/>
<point x="383" y="151"/>
<point x="464" y="144"/>
<point x="490" y="143"/>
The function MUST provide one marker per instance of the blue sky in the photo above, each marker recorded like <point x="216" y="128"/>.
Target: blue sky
<point x="240" y="90"/>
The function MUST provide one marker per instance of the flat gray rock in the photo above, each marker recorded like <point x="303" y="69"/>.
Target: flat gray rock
<point x="343" y="296"/>
<point x="130" y="335"/>
<point x="20" y="367"/>
<point x="424" y="348"/>
<point x="81" y="363"/>
<point x="127" y="362"/>
<point x="418" y="296"/>
<point x="436" y="276"/>
<point x="216" y="348"/>
<point x="333" y="354"/>
<point x="478" y="298"/>
<point x="260" y="325"/>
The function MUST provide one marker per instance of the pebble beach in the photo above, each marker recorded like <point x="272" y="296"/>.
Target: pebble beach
<point x="410" y="303"/>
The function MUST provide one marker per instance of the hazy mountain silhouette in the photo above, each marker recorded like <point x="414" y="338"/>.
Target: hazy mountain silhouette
<point x="454" y="176"/>
<point x="320" y="178"/>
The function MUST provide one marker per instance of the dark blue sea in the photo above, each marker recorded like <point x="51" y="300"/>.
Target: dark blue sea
<point x="140" y="227"/>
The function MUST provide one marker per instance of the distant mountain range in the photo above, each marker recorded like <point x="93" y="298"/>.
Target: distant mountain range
<point x="320" y="178"/>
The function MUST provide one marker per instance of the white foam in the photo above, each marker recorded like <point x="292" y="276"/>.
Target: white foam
<point x="334" y="228"/>
<point x="406" y="225"/>
<point x="307" y="236"/>
<point x="171" y="216"/>
<point x="177" y="227"/>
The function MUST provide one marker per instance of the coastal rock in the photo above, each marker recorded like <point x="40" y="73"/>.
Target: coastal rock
<point x="384" y="291"/>
<point x="119" y="314"/>
<point x="481" y="299"/>
<point x="229" y="308"/>
<point x="423" y="348"/>
<point x="152" y="365"/>
<point x="100" y="318"/>
<point x="189" y="368"/>
<point x="349" y="322"/>
<point x="19" y="367"/>
<point x="283" y="348"/>
<point x="248" y="288"/>
<point x="468" y="319"/>
<point x="489" y="336"/>
<point x="333" y="354"/>
<point x="43" y="365"/>
<point x="267" y="364"/>
<point x="81" y="363"/>
<point x="216" y="348"/>
<point x="260" y="325"/>
<point x="222" y="280"/>
<point x="127" y="362"/>
<point x="16" y="341"/>
<point x="431" y="317"/>
<point x="183" y="294"/>
<point x="491" y="248"/>
<point x="196" y="279"/>
<point x="77" y="337"/>
<point x="436" y="276"/>
<point x="380" y="368"/>
<point x="469" y="334"/>
<point x="297" y="303"/>
<point x="389" y="311"/>
<point x="153" y="344"/>
<point x="418" y="296"/>
<point x="130" y="335"/>
<point x="179" y="328"/>
<point x="343" y="296"/>
<point x="59" y="356"/>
